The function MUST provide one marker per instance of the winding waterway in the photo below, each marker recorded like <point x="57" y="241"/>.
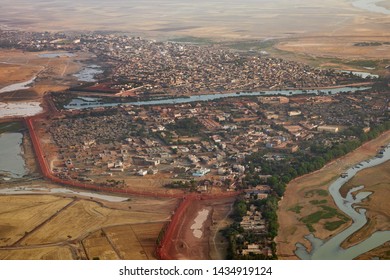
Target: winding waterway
<point x="331" y="248"/>
<point x="78" y="103"/>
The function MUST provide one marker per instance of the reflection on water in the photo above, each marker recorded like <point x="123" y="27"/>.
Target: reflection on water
<point x="363" y="75"/>
<point x="12" y="163"/>
<point x="77" y="103"/>
<point x="42" y="190"/>
<point x="18" y="86"/>
<point x="88" y="73"/>
<point x="54" y="55"/>
<point x="20" y="109"/>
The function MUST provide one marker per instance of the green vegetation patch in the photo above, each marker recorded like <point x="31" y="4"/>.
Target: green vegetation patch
<point x="317" y="202"/>
<point x="326" y="212"/>
<point x="364" y="63"/>
<point x="316" y="192"/>
<point x="297" y="209"/>
<point x="185" y="185"/>
<point x="186" y="127"/>
<point x="333" y="225"/>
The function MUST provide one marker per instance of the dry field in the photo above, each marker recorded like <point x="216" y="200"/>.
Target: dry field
<point x="301" y="192"/>
<point x="43" y="253"/>
<point x="174" y="18"/>
<point x="54" y="74"/>
<point x="128" y="242"/>
<point x="338" y="46"/>
<point x="59" y="227"/>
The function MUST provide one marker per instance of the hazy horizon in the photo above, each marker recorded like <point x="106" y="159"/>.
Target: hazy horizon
<point x="166" y="18"/>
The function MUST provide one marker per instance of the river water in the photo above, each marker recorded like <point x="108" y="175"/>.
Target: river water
<point x="18" y="86"/>
<point x="330" y="249"/>
<point x="58" y="54"/>
<point x="41" y="190"/>
<point x="20" y="109"/>
<point x="78" y="103"/>
<point x="363" y="75"/>
<point x="12" y="164"/>
<point x="88" y="73"/>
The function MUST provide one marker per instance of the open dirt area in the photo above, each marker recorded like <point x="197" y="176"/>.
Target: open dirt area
<point x="52" y="74"/>
<point x="338" y="46"/>
<point x="70" y="227"/>
<point x="211" y="19"/>
<point x="305" y="195"/>
<point x="198" y="236"/>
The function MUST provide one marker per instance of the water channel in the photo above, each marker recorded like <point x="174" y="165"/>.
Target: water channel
<point x="18" y="86"/>
<point x="331" y="249"/>
<point x="79" y="103"/>
<point x="54" y="55"/>
<point x="42" y="190"/>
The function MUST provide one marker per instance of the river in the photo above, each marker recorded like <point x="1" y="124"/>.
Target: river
<point x="57" y="54"/>
<point x="371" y="6"/>
<point x="78" y="103"/>
<point x="330" y="249"/>
<point x="42" y="190"/>
<point x="12" y="164"/>
<point x="18" y="86"/>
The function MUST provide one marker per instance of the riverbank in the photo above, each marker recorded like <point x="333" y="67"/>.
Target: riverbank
<point x="377" y="181"/>
<point x="303" y="195"/>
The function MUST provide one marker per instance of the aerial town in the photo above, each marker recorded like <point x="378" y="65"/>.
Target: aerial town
<point x="173" y="68"/>
<point x="249" y="147"/>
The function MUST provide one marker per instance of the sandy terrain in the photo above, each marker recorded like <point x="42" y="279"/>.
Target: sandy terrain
<point x="338" y="46"/>
<point x="174" y="18"/>
<point x="292" y="230"/>
<point x="218" y="243"/>
<point x="53" y="74"/>
<point x="197" y="236"/>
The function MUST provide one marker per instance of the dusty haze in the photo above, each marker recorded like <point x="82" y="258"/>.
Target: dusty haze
<point x="222" y="18"/>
